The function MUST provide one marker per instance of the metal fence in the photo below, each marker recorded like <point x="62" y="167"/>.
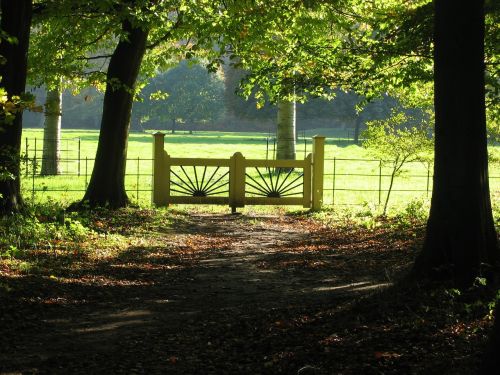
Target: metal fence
<point x="347" y="181"/>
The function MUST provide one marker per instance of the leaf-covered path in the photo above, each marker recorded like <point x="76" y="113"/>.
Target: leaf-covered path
<point x="217" y="294"/>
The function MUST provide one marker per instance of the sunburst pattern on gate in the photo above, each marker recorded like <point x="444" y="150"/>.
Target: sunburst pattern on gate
<point x="202" y="182"/>
<point x="275" y="183"/>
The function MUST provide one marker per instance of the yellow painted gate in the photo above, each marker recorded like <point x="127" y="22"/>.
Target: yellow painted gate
<point x="238" y="181"/>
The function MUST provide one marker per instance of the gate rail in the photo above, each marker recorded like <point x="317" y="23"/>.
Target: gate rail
<point x="237" y="181"/>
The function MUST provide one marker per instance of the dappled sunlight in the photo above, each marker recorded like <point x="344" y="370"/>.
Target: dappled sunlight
<point x="116" y="320"/>
<point x="287" y="290"/>
<point x="354" y="287"/>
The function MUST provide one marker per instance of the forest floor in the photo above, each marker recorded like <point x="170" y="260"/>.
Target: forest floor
<point x="233" y="294"/>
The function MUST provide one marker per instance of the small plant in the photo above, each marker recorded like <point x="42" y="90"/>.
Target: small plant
<point x="415" y="213"/>
<point x="11" y="252"/>
<point x="398" y="140"/>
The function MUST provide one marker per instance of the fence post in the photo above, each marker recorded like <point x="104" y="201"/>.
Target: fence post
<point x="318" y="171"/>
<point x="161" y="172"/>
<point x="86" y="171"/>
<point x="26" y="164"/>
<point x="334" y="177"/>
<point x="307" y="182"/>
<point x="237" y="181"/>
<point x="33" y="178"/>
<point x="137" y="179"/>
<point x="428" y="177"/>
<point x="79" y="154"/>
<point x="380" y="182"/>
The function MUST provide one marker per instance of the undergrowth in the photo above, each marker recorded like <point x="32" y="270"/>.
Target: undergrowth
<point x="40" y="226"/>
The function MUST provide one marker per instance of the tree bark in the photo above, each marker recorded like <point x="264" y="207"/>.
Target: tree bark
<point x="52" y="132"/>
<point x="15" y="22"/>
<point x="107" y="183"/>
<point x="357" y="128"/>
<point x="285" y="131"/>
<point x="460" y="236"/>
<point x="491" y="360"/>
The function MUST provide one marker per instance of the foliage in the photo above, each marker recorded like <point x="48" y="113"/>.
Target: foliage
<point x="397" y="141"/>
<point x="57" y="51"/>
<point x="40" y="226"/>
<point x="414" y="214"/>
<point x="184" y="94"/>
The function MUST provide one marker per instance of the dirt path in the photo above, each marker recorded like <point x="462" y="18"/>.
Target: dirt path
<point x="222" y="295"/>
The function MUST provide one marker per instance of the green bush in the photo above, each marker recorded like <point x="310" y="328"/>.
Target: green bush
<point x="40" y="226"/>
<point x="415" y="212"/>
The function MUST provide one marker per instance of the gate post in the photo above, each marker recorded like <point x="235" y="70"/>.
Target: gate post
<point x="161" y="173"/>
<point x="318" y="172"/>
<point x="237" y="181"/>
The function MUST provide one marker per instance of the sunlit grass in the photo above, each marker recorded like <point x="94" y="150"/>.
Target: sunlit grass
<point x="356" y="181"/>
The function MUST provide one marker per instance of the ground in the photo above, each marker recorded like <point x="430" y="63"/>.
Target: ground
<point x="232" y="294"/>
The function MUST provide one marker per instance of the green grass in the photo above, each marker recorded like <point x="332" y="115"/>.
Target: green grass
<point x="356" y="181"/>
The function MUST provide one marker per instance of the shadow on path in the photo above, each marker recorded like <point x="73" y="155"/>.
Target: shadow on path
<point x="224" y="295"/>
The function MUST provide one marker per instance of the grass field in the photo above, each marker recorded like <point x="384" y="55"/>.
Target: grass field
<point x="351" y="176"/>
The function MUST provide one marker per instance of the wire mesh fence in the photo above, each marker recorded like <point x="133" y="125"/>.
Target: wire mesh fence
<point x="347" y="181"/>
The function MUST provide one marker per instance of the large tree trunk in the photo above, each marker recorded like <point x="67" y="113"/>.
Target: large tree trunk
<point x="52" y="132"/>
<point x="107" y="184"/>
<point x="491" y="361"/>
<point x="460" y="235"/>
<point x="15" y="22"/>
<point x="285" y="132"/>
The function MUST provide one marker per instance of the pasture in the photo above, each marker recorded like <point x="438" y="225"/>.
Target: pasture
<point x="352" y="176"/>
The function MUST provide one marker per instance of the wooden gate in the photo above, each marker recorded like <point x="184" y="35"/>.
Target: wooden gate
<point x="238" y="181"/>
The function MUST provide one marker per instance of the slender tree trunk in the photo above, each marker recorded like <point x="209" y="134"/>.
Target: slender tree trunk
<point x="389" y="190"/>
<point x="15" y="22"/>
<point x="173" y="126"/>
<point x="52" y="132"/>
<point x="107" y="184"/>
<point x="460" y="235"/>
<point x="285" y="132"/>
<point x="357" y="128"/>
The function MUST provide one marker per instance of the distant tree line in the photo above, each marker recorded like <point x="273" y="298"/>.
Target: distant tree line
<point x="188" y="97"/>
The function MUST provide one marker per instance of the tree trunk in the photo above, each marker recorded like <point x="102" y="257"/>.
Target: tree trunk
<point x="357" y="128"/>
<point x="52" y="132"/>
<point x="285" y="132"/>
<point x="15" y="22"/>
<point x="173" y="126"/>
<point x="391" y="183"/>
<point x="491" y="361"/>
<point x="460" y="235"/>
<point x="107" y="183"/>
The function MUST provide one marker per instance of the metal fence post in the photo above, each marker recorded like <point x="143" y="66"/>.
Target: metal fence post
<point x="428" y="177"/>
<point x="33" y="178"/>
<point x="334" y="176"/>
<point x="161" y="171"/>
<point x="379" y="182"/>
<point x="318" y="171"/>
<point x="79" y="155"/>
<point x="86" y="172"/>
<point x="137" y="179"/>
<point x="26" y="161"/>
